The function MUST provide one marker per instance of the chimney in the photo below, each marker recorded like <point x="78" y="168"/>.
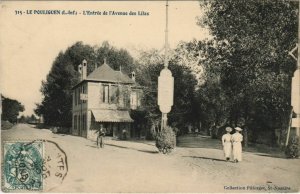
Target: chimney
<point x="84" y="69"/>
<point x="80" y="71"/>
<point x="133" y="76"/>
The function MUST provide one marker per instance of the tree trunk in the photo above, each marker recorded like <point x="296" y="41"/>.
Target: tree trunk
<point x="246" y="137"/>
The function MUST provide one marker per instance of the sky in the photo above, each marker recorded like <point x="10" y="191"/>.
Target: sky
<point x="29" y="43"/>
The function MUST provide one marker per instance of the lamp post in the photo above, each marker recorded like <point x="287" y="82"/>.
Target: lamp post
<point x="165" y="83"/>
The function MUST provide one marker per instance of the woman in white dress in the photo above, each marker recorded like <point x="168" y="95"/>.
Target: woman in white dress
<point x="226" y="142"/>
<point x="237" y="139"/>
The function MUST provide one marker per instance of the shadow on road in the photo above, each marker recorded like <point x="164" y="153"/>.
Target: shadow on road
<point x="199" y="157"/>
<point x="92" y="146"/>
<point x="146" y="142"/>
<point x="207" y="142"/>
<point x="148" y="151"/>
<point x="271" y="156"/>
<point x="129" y="148"/>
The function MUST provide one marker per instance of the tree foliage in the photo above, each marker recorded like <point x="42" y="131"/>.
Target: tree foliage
<point x="28" y="119"/>
<point x="11" y="109"/>
<point x="247" y="69"/>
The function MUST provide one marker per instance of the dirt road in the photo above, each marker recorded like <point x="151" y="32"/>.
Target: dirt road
<point x="128" y="166"/>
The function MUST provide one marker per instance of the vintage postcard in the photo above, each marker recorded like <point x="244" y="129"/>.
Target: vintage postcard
<point x="150" y="96"/>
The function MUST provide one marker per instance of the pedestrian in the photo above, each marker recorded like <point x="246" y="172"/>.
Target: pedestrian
<point x="226" y="142"/>
<point x="237" y="139"/>
<point x="100" y="136"/>
<point x="124" y="133"/>
<point x="196" y="131"/>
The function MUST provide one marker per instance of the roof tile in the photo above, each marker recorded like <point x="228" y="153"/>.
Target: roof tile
<point x="106" y="73"/>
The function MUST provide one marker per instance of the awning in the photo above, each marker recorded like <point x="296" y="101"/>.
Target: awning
<point x="116" y="116"/>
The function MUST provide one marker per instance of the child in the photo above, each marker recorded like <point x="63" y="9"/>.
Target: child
<point x="226" y="142"/>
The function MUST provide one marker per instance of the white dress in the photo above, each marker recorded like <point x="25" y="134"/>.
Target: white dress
<point x="227" y="146"/>
<point x="236" y="139"/>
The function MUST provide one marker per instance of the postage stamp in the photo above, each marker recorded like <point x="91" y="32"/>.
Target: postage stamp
<point x="22" y="166"/>
<point x="39" y="165"/>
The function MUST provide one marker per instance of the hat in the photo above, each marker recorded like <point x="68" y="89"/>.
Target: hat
<point x="228" y="129"/>
<point x="238" y="129"/>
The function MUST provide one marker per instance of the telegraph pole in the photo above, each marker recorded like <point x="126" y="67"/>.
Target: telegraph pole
<point x="164" y="117"/>
<point x="166" y="38"/>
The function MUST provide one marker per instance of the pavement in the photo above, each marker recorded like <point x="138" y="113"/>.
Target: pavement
<point x="136" y="166"/>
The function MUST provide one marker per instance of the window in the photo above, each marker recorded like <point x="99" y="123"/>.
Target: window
<point x="75" y="96"/>
<point x="105" y="93"/>
<point x="84" y="121"/>
<point x="75" y="122"/>
<point x="84" y="91"/>
<point x="79" y="122"/>
<point x="135" y="99"/>
<point x="126" y="96"/>
<point x="113" y="94"/>
<point x="79" y="94"/>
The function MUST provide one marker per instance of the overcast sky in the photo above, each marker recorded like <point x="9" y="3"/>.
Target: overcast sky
<point x="30" y="43"/>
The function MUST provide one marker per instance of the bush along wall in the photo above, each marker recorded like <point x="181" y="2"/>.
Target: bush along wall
<point x="292" y="150"/>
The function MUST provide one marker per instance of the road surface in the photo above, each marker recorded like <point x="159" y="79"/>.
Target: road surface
<point x="128" y="166"/>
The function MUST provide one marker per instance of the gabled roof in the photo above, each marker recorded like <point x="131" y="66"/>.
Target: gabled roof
<point x="107" y="74"/>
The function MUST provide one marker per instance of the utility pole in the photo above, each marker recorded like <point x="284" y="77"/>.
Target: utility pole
<point x="297" y="76"/>
<point x="295" y="94"/>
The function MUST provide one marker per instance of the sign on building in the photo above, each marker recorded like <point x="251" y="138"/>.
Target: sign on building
<point x="83" y="97"/>
<point x="296" y="122"/>
<point x="165" y="90"/>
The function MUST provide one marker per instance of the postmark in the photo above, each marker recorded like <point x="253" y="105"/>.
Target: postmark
<point x="22" y="168"/>
<point x="55" y="165"/>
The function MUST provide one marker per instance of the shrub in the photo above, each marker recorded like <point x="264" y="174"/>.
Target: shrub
<point x="5" y="125"/>
<point x="292" y="150"/>
<point x="166" y="140"/>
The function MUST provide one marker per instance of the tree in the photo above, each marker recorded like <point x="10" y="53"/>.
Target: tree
<point x="22" y="119"/>
<point x="56" y="106"/>
<point x="184" y="87"/>
<point x="11" y="109"/>
<point x="116" y="58"/>
<point x="248" y="54"/>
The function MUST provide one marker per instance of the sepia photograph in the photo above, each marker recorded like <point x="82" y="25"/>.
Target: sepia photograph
<point x="170" y="96"/>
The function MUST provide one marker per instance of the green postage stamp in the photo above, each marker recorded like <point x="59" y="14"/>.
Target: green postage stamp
<point x="22" y="166"/>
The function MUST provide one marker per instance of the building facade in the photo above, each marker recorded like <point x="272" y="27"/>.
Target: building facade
<point x="104" y="98"/>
